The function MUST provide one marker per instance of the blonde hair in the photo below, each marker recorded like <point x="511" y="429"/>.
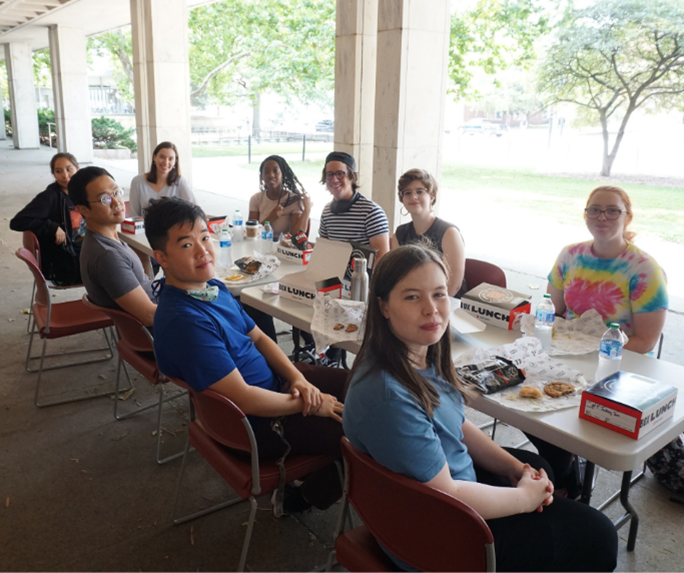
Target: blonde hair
<point x="418" y="175"/>
<point x="628" y="235"/>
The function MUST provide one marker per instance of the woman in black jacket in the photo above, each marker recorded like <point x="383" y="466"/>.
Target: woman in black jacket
<point x="59" y="227"/>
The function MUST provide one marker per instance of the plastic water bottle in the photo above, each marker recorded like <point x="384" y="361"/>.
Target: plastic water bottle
<point x="267" y="238"/>
<point x="238" y="226"/>
<point x="225" y="250"/>
<point x="543" y="321"/>
<point x="610" y="352"/>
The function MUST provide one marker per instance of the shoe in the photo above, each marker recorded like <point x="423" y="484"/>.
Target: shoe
<point x="293" y="501"/>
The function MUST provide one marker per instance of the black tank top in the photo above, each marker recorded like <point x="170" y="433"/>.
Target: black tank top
<point x="406" y="235"/>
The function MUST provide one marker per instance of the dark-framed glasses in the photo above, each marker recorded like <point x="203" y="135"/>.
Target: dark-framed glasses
<point x="611" y="213"/>
<point x="409" y="192"/>
<point x="329" y="175"/>
<point x="107" y="198"/>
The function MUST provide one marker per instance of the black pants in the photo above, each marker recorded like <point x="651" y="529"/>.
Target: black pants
<point x="559" y="459"/>
<point x="566" y="536"/>
<point x="311" y="435"/>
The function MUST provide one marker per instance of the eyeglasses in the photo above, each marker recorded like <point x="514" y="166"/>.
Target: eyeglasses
<point x="329" y="175"/>
<point x="418" y="191"/>
<point x="106" y="199"/>
<point x="611" y="213"/>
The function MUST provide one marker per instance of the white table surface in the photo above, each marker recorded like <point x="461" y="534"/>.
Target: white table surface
<point x="564" y="428"/>
<point x="242" y="249"/>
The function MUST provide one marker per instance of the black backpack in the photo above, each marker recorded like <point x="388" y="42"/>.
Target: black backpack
<point x="668" y="465"/>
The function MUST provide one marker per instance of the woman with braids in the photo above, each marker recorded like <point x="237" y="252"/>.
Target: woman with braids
<point x="405" y="409"/>
<point x="282" y="201"/>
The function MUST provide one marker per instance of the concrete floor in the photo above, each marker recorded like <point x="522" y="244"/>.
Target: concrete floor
<point x="80" y="491"/>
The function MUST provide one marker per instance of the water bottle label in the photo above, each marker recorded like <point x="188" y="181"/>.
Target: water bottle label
<point x="224" y="244"/>
<point x="611" y="349"/>
<point x="545" y="316"/>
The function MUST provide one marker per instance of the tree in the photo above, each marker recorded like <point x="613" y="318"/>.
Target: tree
<point x="118" y="46"/>
<point x="494" y="35"/>
<point x="614" y="57"/>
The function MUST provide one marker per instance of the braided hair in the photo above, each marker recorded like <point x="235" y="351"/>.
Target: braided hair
<point x="290" y="181"/>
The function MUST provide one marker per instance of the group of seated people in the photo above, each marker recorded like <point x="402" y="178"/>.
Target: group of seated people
<point x="403" y="404"/>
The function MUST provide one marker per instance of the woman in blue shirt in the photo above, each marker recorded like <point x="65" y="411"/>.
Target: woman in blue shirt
<point x="405" y="408"/>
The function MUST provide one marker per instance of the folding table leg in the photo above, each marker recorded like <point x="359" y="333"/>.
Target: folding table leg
<point x="631" y="514"/>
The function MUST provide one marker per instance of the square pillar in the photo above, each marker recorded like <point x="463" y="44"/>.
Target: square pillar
<point x="3" y="133"/>
<point x="410" y="94"/>
<point x="70" y="89"/>
<point x="355" y="53"/>
<point x="22" y="96"/>
<point x="161" y="79"/>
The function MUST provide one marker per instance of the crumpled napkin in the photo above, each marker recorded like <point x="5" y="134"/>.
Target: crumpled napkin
<point x="577" y="336"/>
<point x="336" y="320"/>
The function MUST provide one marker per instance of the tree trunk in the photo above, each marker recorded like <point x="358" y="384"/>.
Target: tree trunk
<point x="256" y="115"/>
<point x="609" y="158"/>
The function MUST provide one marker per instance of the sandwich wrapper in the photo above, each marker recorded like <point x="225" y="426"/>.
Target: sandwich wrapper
<point x="577" y="336"/>
<point x="269" y="263"/>
<point x="329" y="312"/>
<point x="539" y="368"/>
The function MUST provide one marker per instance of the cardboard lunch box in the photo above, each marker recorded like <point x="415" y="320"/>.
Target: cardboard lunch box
<point x="324" y="273"/>
<point x="495" y="305"/>
<point x="133" y="226"/>
<point x="628" y="403"/>
<point x="293" y="254"/>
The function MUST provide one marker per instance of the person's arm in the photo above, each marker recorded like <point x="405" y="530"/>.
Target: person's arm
<point x="134" y="208"/>
<point x="558" y="299"/>
<point x="36" y="217"/>
<point x="454" y="255"/>
<point x="301" y="220"/>
<point x="137" y="303"/>
<point x="185" y="191"/>
<point x="381" y="243"/>
<point x="491" y="502"/>
<point x="393" y="242"/>
<point x="278" y="361"/>
<point x="647" y="327"/>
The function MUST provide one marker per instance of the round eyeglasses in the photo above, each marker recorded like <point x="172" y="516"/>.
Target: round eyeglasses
<point x="611" y="213"/>
<point x="106" y="199"/>
<point x="339" y="174"/>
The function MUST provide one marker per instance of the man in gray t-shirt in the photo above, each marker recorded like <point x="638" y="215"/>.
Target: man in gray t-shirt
<point x="112" y="273"/>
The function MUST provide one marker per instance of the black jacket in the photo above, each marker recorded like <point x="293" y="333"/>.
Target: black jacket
<point x="47" y="211"/>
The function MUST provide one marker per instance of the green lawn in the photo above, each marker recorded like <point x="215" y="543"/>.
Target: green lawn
<point x="658" y="211"/>
<point x="260" y="149"/>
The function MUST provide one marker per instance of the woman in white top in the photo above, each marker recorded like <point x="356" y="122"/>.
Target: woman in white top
<point x="163" y="180"/>
<point x="282" y="201"/>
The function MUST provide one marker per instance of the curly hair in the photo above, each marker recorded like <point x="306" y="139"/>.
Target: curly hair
<point x="290" y="181"/>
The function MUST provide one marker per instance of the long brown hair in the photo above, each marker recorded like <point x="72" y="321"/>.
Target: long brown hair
<point x="384" y="351"/>
<point x="174" y="174"/>
<point x="628" y="235"/>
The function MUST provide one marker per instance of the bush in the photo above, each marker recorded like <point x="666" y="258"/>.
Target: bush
<point x="8" y="122"/>
<point x="110" y="134"/>
<point x="45" y="116"/>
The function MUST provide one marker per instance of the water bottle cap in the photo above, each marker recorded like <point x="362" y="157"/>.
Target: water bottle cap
<point x="547" y="295"/>
<point x="266" y="223"/>
<point x="614" y="325"/>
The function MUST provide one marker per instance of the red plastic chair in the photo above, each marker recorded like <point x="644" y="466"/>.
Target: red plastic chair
<point x="57" y="320"/>
<point x="478" y="272"/>
<point x="423" y="527"/>
<point x="219" y="431"/>
<point x="30" y="242"/>
<point x="136" y="347"/>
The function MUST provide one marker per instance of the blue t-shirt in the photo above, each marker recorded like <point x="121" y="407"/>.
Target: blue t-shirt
<point x="382" y="419"/>
<point x="202" y="342"/>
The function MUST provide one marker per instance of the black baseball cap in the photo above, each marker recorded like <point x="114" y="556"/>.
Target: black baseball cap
<point x="343" y="157"/>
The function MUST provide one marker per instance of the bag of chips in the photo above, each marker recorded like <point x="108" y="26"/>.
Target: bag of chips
<point x="491" y="376"/>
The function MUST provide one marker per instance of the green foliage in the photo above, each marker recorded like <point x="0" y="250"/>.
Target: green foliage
<point x="45" y="116"/>
<point x="110" y="134"/>
<point x="118" y="47"/>
<point x="492" y="36"/>
<point x="42" y="73"/>
<point x="8" y="121"/>
<point x="615" y="56"/>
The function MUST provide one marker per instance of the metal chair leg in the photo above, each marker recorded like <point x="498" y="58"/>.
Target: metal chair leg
<point x="109" y="347"/>
<point x="177" y="455"/>
<point x="248" y="535"/>
<point x="30" y="308"/>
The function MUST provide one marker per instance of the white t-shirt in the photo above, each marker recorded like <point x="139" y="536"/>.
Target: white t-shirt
<point x="263" y="205"/>
<point x="141" y="193"/>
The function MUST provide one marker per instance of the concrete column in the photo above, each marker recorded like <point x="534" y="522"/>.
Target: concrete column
<point x="162" y="79"/>
<point x="410" y="93"/>
<point x="70" y="90"/>
<point x="22" y="95"/>
<point x="3" y="133"/>
<point x="355" y="53"/>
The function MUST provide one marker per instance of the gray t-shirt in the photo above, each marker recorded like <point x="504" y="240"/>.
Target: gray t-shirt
<point x="110" y="269"/>
<point x="141" y="193"/>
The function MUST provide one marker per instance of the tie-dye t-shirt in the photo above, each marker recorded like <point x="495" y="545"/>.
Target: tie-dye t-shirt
<point x="617" y="288"/>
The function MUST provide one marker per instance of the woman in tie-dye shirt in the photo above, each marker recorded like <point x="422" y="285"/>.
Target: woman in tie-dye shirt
<point x="612" y="275"/>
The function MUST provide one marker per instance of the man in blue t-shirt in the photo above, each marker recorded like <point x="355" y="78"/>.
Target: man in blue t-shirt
<point x="203" y="336"/>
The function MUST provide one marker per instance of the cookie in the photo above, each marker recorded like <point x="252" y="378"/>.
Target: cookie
<point x="338" y="326"/>
<point x="558" y="389"/>
<point x="351" y="328"/>
<point x="530" y="392"/>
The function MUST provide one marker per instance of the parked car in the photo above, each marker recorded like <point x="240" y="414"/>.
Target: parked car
<point x="326" y="125"/>
<point x="483" y="126"/>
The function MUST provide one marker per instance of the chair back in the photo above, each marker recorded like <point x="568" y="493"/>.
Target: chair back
<point x="42" y="297"/>
<point x="30" y="242"/>
<point x="130" y="329"/>
<point x="424" y="527"/>
<point x="222" y="419"/>
<point x="478" y="272"/>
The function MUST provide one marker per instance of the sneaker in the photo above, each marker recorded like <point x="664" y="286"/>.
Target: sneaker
<point x="293" y="501"/>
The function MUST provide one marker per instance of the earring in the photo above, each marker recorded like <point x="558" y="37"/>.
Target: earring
<point x="401" y="210"/>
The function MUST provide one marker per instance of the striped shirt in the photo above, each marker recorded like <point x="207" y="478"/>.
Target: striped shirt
<point x="364" y="220"/>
